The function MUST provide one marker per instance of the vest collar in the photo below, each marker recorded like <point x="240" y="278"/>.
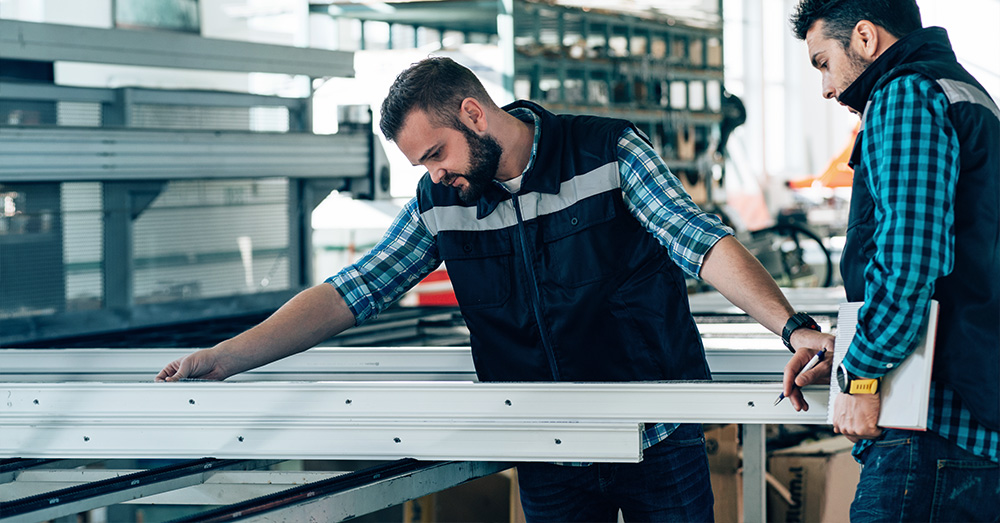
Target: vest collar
<point x="930" y="43"/>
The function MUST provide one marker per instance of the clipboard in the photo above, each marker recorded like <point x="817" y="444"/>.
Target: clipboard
<point x="906" y="389"/>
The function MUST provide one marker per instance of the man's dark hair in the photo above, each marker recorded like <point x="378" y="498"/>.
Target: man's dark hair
<point x="435" y="85"/>
<point x="899" y="17"/>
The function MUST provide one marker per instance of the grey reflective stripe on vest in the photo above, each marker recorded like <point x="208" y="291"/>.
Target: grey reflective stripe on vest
<point x="957" y="91"/>
<point x="458" y="218"/>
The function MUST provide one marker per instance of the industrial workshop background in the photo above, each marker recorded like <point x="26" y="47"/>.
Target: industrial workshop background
<point x="172" y="171"/>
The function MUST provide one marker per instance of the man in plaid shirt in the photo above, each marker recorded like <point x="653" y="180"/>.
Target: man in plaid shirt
<point x="566" y="239"/>
<point x="924" y="223"/>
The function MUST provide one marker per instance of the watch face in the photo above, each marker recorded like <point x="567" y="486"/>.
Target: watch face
<point x="842" y="379"/>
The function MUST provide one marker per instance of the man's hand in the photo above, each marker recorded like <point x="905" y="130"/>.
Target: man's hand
<point x="807" y="343"/>
<point x="202" y="365"/>
<point x="856" y="416"/>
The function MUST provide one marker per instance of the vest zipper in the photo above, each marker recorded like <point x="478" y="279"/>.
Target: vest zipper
<point x="536" y="304"/>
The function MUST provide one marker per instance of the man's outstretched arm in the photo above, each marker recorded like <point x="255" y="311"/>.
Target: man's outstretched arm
<point x="309" y="318"/>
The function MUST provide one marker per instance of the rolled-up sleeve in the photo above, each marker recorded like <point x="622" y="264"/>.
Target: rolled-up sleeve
<point x="656" y="198"/>
<point x="404" y="256"/>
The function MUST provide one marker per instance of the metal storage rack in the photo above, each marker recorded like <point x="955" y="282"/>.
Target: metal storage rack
<point x="129" y="207"/>
<point x="663" y="74"/>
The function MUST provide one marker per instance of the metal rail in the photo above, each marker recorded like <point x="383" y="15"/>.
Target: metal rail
<point x="81" y="498"/>
<point x="352" y="495"/>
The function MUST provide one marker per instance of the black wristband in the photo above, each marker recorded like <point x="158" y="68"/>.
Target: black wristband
<point x="799" y="319"/>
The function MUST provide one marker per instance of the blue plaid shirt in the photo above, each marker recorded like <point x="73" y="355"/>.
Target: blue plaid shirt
<point x="407" y="252"/>
<point x="911" y="155"/>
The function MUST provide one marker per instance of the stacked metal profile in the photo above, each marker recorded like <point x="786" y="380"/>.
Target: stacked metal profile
<point x="128" y="207"/>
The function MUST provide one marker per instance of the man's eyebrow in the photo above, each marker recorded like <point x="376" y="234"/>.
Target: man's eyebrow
<point x="813" y="59"/>
<point x="426" y="154"/>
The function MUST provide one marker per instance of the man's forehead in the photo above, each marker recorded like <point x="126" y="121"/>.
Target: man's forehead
<point x="817" y="41"/>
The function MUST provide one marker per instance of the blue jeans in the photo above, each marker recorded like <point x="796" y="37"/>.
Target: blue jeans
<point x="671" y="483"/>
<point x="920" y="476"/>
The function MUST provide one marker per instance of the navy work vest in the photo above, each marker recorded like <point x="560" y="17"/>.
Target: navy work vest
<point x="560" y="282"/>
<point x="967" y="350"/>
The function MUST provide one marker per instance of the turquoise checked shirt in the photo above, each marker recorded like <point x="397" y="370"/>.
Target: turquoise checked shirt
<point x="913" y="168"/>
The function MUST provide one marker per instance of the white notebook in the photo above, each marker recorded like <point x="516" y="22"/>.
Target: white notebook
<point x="905" y="389"/>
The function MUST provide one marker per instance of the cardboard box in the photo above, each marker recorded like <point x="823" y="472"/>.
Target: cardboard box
<point x="723" y="449"/>
<point x="818" y="480"/>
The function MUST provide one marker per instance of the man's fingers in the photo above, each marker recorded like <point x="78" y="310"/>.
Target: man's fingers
<point x="167" y="372"/>
<point x="818" y="374"/>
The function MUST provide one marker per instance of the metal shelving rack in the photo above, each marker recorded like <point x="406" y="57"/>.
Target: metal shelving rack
<point x="664" y="76"/>
<point x="125" y="207"/>
<point x="662" y="73"/>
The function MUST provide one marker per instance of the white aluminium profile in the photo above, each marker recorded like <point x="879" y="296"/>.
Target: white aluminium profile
<point x="681" y="402"/>
<point x="362" y="420"/>
<point x="153" y="437"/>
<point x="725" y="357"/>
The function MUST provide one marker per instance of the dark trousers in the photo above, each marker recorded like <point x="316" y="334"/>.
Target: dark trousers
<point x="671" y="483"/>
<point x="920" y="476"/>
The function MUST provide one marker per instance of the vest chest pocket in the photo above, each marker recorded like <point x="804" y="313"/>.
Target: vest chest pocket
<point x="582" y="244"/>
<point x="479" y="265"/>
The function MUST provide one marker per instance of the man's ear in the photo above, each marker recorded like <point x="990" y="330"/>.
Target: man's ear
<point x="865" y="40"/>
<point x="473" y="114"/>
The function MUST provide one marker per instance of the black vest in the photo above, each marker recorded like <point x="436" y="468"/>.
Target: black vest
<point x="561" y="282"/>
<point x="967" y="353"/>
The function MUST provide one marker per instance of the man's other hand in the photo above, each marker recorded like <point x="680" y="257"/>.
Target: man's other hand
<point x="202" y="365"/>
<point x="856" y="416"/>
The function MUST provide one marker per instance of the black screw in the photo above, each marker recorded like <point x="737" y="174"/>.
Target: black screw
<point x="240" y="438"/>
<point x="507" y="402"/>
<point x="750" y="404"/>
<point x="558" y="441"/>
<point x="191" y="402"/>
<point x="348" y="402"/>
<point x="397" y="440"/>
<point x="35" y="402"/>
<point x="86" y="438"/>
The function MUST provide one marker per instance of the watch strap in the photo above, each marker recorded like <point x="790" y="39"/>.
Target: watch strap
<point x="863" y="386"/>
<point x="851" y="384"/>
<point x="797" y="321"/>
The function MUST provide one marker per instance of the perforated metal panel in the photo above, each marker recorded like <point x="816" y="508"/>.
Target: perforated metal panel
<point x="209" y="238"/>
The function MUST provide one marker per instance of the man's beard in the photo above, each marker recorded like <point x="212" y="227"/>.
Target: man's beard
<point x="484" y="159"/>
<point x="856" y="65"/>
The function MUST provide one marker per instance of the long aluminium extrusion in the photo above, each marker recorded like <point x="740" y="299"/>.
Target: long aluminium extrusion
<point x="364" y="420"/>
<point x="337" y="363"/>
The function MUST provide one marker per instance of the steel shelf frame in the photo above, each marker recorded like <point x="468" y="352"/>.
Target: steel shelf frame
<point x="55" y="42"/>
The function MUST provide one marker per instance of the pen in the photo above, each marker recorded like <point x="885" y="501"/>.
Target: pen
<point x="812" y="363"/>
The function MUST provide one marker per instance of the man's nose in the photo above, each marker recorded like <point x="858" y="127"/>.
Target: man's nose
<point x="437" y="175"/>
<point x="828" y="91"/>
